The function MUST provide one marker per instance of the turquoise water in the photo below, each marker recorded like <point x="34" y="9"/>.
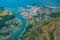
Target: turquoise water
<point x="23" y="3"/>
<point x="16" y="34"/>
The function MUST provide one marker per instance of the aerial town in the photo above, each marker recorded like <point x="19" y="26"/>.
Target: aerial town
<point x="37" y="18"/>
<point x="35" y="22"/>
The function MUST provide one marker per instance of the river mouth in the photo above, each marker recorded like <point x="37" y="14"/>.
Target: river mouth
<point x="12" y="7"/>
<point x="17" y="32"/>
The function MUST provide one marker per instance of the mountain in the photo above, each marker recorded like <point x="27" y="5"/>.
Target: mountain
<point x="48" y="30"/>
<point x="44" y="20"/>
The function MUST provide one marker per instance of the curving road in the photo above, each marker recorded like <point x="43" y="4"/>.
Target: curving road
<point x="18" y="33"/>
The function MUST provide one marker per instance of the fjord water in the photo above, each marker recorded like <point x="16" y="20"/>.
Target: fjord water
<point x="23" y="3"/>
